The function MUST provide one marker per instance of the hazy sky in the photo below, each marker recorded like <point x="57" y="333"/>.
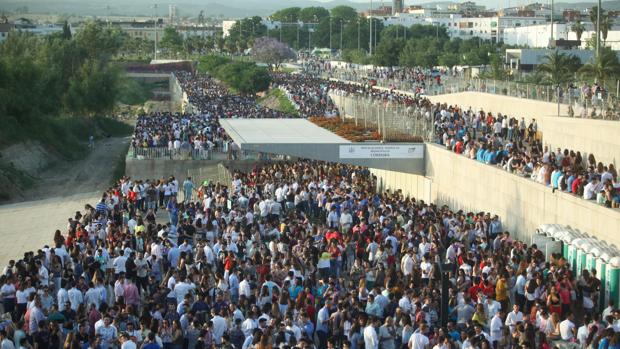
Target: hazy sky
<point x="488" y="3"/>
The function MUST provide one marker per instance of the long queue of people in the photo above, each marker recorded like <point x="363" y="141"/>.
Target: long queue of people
<point x="293" y="255"/>
<point x="508" y="142"/>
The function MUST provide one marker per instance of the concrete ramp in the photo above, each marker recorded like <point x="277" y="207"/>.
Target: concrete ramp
<point x="301" y="138"/>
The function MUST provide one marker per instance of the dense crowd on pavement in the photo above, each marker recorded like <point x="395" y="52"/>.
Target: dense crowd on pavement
<point x="501" y="140"/>
<point x="411" y="79"/>
<point x="292" y="255"/>
<point x="210" y="97"/>
<point x="178" y="131"/>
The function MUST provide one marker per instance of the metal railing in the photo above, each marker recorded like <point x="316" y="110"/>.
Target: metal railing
<point x="394" y="121"/>
<point x="170" y="154"/>
<point x="582" y="104"/>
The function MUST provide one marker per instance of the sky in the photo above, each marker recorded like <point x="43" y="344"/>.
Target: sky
<point x="488" y="3"/>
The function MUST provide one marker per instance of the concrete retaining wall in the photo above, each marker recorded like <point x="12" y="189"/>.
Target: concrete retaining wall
<point x="512" y="106"/>
<point x="522" y="204"/>
<point x="180" y="169"/>
<point x="598" y="137"/>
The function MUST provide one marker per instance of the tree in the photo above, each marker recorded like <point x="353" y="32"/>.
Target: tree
<point x="286" y="14"/>
<point x="558" y="67"/>
<point x="606" y="23"/>
<point x="448" y="59"/>
<point x="355" y="56"/>
<point x="93" y="90"/>
<point x="388" y="51"/>
<point x="593" y="16"/>
<point x="603" y="67"/>
<point x="66" y="31"/>
<point x="420" y="53"/>
<point x="271" y="51"/>
<point x="343" y="12"/>
<point x="313" y="14"/>
<point x="578" y="28"/>
<point x="99" y="41"/>
<point x="171" y="41"/>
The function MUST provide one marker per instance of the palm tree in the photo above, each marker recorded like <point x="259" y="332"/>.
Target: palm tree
<point x="557" y="67"/>
<point x="606" y="24"/>
<point x="603" y="67"/>
<point x="593" y="17"/>
<point x="578" y="28"/>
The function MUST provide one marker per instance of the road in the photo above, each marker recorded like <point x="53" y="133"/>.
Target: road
<point x="62" y="190"/>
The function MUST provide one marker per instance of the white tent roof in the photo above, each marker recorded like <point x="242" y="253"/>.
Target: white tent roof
<point x="273" y="131"/>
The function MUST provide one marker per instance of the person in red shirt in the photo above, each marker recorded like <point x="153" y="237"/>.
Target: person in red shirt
<point x="575" y="185"/>
<point x="229" y="261"/>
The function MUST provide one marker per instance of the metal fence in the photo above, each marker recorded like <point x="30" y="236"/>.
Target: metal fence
<point x="393" y="121"/>
<point x="170" y="154"/>
<point x="583" y="104"/>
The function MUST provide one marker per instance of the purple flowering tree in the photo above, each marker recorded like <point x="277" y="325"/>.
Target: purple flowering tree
<point x="271" y="51"/>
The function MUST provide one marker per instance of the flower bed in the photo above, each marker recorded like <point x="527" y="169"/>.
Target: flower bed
<point x="346" y="129"/>
<point x="358" y="133"/>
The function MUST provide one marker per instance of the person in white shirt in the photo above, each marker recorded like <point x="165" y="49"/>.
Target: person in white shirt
<point x="5" y="342"/>
<point x="406" y="265"/>
<point x="219" y="327"/>
<point x="250" y="324"/>
<point x="126" y="341"/>
<point x="590" y="189"/>
<point x="567" y="328"/>
<point x="345" y="221"/>
<point x="419" y="340"/>
<point x="371" y="339"/>
<point x="496" y="328"/>
<point x="514" y="317"/>
<point x="182" y="288"/>
<point x="75" y="297"/>
<point x="119" y="263"/>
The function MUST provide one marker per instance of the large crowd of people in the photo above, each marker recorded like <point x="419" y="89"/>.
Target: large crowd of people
<point x="210" y="97"/>
<point x="511" y="143"/>
<point x="292" y="255"/>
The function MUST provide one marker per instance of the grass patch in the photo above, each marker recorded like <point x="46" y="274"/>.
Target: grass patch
<point x="282" y="103"/>
<point x="21" y="179"/>
<point x="134" y="92"/>
<point x="68" y="136"/>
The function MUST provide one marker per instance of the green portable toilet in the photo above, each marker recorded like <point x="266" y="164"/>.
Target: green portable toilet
<point x="601" y="271"/>
<point x="572" y="259"/>
<point x="612" y="280"/>
<point x="567" y="236"/>
<point x="583" y="247"/>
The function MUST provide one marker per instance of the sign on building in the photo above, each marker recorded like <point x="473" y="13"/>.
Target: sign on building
<point x="381" y="151"/>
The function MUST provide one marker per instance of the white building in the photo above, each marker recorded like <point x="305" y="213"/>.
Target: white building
<point x="226" y="27"/>
<point x="271" y="25"/>
<point x="457" y="26"/>
<point x="536" y="36"/>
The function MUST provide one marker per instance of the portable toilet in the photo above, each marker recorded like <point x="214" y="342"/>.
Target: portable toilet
<point x="601" y="268"/>
<point x="592" y="255"/>
<point x="573" y="247"/>
<point x="567" y="236"/>
<point x="612" y="280"/>
<point x="551" y="247"/>
<point x="583" y="246"/>
<point x="540" y="240"/>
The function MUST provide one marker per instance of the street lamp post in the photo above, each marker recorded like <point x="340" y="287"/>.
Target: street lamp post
<point x="330" y="35"/>
<point x="598" y="29"/>
<point x="341" y="30"/>
<point x="155" y="26"/>
<point x="370" y="36"/>
<point x="359" y="22"/>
